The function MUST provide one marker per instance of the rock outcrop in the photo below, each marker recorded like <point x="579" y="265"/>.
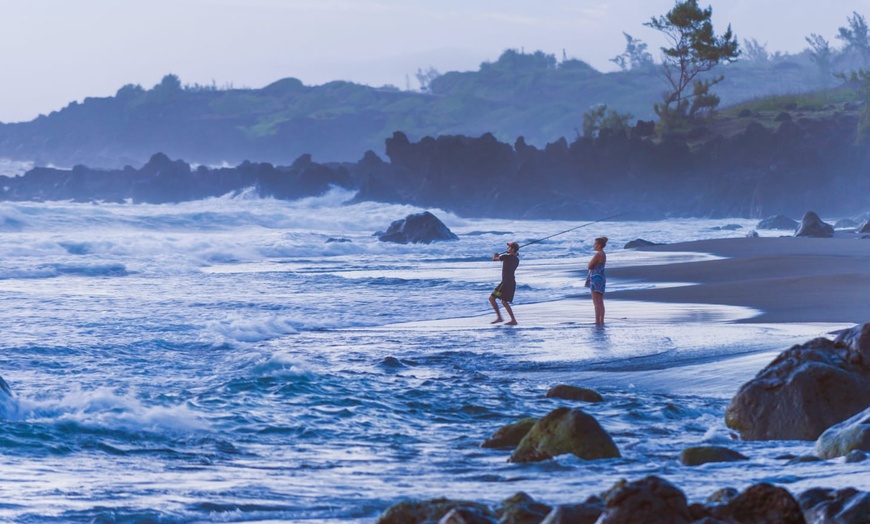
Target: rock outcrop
<point x="813" y="226"/>
<point x="563" y="431"/>
<point x="807" y="389"/>
<point x="419" y="228"/>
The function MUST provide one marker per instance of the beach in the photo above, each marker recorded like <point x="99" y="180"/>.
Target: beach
<point x="787" y="279"/>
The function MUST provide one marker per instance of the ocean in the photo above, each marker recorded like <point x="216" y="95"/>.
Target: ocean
<point x="254" y="360"/>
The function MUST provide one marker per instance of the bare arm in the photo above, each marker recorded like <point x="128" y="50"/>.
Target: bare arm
<point x="596" y="258"/>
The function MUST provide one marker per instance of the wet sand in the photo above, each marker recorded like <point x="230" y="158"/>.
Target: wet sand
<point x="787" y="279"/>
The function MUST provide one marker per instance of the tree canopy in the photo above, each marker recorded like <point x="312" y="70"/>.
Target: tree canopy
<point x="695" y="49"/>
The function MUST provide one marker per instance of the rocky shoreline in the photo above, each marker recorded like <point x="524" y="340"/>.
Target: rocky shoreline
<point x="761" y="169"/>
<point x="790" y="399"/>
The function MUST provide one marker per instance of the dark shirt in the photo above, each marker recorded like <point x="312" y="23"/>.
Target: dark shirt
<point x="509" y="265"/>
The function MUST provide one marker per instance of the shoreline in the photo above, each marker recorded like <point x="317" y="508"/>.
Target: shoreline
<point x="786" y="279"/>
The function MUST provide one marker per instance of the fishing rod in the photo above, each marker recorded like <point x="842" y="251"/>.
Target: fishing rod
<point x="572" y="229"/>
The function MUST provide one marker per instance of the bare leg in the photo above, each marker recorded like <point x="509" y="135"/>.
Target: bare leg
<point x="507" y="307"/>
<point x="598" y="302"/>
<point x="495" y="307"/>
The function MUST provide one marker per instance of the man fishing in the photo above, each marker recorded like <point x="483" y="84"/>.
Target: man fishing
<point x="508" y="285"/>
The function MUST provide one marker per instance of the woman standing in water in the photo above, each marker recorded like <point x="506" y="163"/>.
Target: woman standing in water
<point x="596" y="280"/>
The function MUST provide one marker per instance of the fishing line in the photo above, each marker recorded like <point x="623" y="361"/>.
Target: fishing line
<point x="572" y="229"/>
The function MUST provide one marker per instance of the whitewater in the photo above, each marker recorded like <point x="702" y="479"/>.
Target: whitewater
<point x="242" y="359"/>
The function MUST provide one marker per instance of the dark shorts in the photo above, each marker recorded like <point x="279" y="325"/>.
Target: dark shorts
<point x="505" y="291"/>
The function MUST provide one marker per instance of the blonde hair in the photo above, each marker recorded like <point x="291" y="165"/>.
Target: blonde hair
<point x="602" y="241"/>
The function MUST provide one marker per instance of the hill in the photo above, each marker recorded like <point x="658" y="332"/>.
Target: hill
<point x="776" y="155"/>
<point x="528" y="95"/>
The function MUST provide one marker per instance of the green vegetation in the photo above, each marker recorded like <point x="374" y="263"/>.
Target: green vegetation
<point x="695" y="50"/>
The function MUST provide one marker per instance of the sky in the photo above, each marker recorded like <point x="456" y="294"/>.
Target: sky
<point x="58" y="51"/>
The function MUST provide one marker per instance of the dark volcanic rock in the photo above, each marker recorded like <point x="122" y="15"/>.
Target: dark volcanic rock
<point x="638" y="242"/>
<point x="568" y="392"/>
<point x="651" y="500"/>
<point x="420" y="228"/>
<point x="509" y="436"/>
<point x="428" y="511"/>
<point x="805" y="390"/>
<point x="813" y="226"/>
<point x="780" y="222"/>
<point x="697" y="455"/>
<point x="759" y="504"/>
<point x="842" y="506"/>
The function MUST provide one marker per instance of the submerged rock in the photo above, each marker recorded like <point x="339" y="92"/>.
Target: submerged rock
<point x="567" y="392"/>
<point x="563" y="431"/>
<point x="807" y="389"/>
<point x="697" y="455"/>
<point x="813" y="226"/>
<point x="639" y="242"/>
<point x="420" y="228"/>
<point x="780" y="222"/>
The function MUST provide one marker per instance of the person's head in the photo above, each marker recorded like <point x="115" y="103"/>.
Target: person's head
<point x="513" y="247"/>
<point x="601" y="242"/>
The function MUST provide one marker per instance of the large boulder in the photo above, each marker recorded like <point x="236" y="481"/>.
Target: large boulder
<point x="420" y="228"/>
<point x="563" y="431"/>
<point x="651" y="500"/>
<point x="805" y="390"/>
<point x="813" y="226"/>
<point x="780" y="222"/>
<point x="841" y="439"/>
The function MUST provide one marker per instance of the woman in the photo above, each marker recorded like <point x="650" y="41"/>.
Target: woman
<point x="596" y="280"/>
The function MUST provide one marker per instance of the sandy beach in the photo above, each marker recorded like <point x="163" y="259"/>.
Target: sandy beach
<point x="788" y="279"/>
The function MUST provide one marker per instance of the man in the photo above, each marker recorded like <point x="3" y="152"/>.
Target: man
<point x="505" y="290"/>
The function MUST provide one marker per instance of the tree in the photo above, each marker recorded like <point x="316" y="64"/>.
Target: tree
<point x="860" y="81"/>
<point x="856" y="37"/>
<point x="755" y="52"/>
<point x="822" y="54"/>
<point x="425" y="78"/>
<point x="598" y="121"/>
<point x="695" y="49"/>
<point x="635" y="56"/>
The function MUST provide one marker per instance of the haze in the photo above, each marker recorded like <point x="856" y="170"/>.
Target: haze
<point x="58" y="51"/>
